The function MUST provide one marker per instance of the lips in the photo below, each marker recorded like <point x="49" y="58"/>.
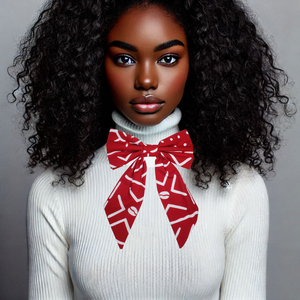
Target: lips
<point x="147" y="104"/>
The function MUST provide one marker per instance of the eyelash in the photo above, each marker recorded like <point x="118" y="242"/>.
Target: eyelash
<point x="172" y="56"/>
<point x="119" y="57"/>
<point x="129" y="58"/>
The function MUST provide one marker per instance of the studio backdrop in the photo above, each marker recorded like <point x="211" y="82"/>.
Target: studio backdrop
<point x="281" y="23"/>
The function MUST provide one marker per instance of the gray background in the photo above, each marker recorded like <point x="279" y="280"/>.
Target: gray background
<point x="281" y="23"/>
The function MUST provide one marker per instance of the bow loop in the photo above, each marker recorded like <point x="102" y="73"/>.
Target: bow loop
<point x="125" y="200"/>
<point x="122" y="148"/>
<point x="178" y="148"/>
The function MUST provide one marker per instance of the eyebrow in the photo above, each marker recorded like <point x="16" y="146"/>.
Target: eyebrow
<point x="123" y="45"/>
<point x="159" y="47"/>
<point x="168" y="45"/>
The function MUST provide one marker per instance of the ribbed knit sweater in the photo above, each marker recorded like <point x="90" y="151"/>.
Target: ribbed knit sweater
<point x="74" y="255"/>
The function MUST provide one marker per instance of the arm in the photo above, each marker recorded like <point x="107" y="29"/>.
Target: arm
<point x="48" y="249"/>
<point x="246" y="242"/>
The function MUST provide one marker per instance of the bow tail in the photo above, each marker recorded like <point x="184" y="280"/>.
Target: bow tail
<point x="125" y="200"/>
<point x="179" y="205"/>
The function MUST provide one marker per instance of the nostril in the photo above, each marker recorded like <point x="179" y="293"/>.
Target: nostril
<point x="145" y="80"/>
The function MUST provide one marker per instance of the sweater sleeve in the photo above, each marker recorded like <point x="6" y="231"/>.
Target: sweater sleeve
<point x="48" y="248"/>
<point x="246" y="241"/>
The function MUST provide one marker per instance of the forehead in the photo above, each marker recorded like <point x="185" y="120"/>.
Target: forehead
<point x="146" y="24"/>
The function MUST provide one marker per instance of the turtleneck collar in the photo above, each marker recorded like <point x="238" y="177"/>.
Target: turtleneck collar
<point x="149" y="134"/>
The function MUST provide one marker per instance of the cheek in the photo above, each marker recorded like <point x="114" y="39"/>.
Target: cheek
<point x="177" y="83"/>
<point x="114" y="80"/>
<point x="180" y="81"/>
<point x="118" y="81"/>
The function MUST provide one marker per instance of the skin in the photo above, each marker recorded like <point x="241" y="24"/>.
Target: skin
<point x="137" y="66"/>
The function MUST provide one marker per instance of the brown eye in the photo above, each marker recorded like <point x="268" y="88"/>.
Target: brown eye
<point x="124" y="60"/>
<point x="169" y="60"/>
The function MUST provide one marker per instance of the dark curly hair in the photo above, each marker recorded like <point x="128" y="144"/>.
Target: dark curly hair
<point x="233" y="89"/>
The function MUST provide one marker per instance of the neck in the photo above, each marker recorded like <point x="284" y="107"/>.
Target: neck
<point x="149" y="134"/>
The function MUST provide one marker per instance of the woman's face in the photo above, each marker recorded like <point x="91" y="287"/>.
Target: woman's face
<point x="146" y="64"/>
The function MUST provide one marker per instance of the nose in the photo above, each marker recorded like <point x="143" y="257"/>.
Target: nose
<point x="146" y="77"/>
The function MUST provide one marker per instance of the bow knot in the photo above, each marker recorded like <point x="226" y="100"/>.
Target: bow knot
<point x="126" y="198"/>
<point x="150" y="150"/>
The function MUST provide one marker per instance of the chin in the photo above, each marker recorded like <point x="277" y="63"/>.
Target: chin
<point x="146" y="123"/>
<point x="147" y="119"/>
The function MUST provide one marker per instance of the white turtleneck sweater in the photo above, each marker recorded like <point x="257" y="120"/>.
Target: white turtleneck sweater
<point x="74" y="255"/>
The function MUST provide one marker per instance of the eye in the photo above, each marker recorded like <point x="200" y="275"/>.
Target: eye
<point x="169" y="59"/>
<point x="124" y="60"/>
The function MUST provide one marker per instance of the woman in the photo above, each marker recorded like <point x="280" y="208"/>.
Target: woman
<point x="148" y="69"/>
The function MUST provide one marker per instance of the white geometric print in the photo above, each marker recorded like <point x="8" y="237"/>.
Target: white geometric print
<point x="178" y="163"/>
<point x="114" y="190"/>
<point x="177" y="233"/>
<point x="135" y="197"/>
<point x="134" y="181"/>
<point x="191" y="196"/>
<point x="162" y="165"/>
<point x="137" y="169"/>
<point x="122" y="221"/>
<point x="165" y="179"/>
<point x="120" y="210"/>
<point x="175" y="206"/>
<point x="111" y="153"/>
<point x="176" y="191"/>
<point x="119" y="139"/>
<point x="133" y="211"/>
<point x="121" y="243"/>
<point x="126" y="158"/>
<point x="184" y="218"/>
<point x="164" y="195"/>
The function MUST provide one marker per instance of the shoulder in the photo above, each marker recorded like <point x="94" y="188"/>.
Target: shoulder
<point x="246" y="185"/>
<point x="42" y="193"/>
<point x="249" y="184"/>
<point x="43" y="184"/>
<point x="249" y="199"/>
<point x="44" y="212"/>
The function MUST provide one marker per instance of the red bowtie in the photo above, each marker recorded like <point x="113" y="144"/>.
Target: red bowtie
<point x="125" y="200"/>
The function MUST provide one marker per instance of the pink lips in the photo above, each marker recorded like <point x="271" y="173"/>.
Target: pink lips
<point x="146" y="104"/>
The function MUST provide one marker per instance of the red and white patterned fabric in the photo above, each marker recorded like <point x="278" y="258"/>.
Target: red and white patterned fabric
<point x="125" y="200"/>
